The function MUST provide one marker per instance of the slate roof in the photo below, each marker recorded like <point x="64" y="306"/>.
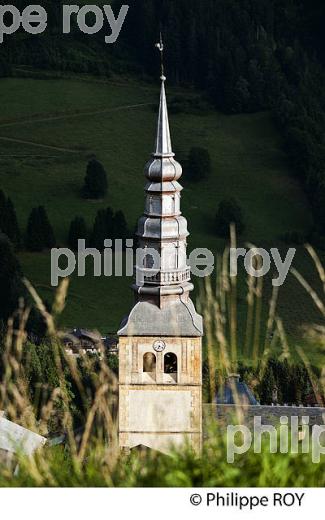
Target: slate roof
<point x="178" y="319"/>
<point x="79" y="334"/>
<point x="235" y="391"/>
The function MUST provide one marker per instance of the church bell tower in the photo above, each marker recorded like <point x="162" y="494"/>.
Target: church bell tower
<point x="160" y="341"/>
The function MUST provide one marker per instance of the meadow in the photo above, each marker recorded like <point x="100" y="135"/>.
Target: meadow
<point x="50" y="127"/>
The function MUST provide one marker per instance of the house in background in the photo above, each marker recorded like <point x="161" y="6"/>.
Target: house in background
<point x="82" y="341"/>
<point x="235" y="392"/>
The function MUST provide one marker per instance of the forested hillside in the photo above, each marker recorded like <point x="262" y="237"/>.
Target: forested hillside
<point x="249" y="55"/>
<point x="68" y="97"/>
<point x="245" y="55"/>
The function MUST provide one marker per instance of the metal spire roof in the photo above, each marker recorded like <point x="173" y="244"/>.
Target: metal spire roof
<point x="162" y="167"/>
<point x="163" y="140"/>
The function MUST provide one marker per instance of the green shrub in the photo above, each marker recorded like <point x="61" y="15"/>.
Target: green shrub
<point x="95" y="186"/>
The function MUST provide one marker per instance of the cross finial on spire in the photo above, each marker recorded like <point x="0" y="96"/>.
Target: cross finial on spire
<point x="160" y="46"/>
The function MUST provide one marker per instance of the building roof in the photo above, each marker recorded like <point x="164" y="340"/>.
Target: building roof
<point x="235" y="391"/>
<point x="178" y="319"/>
<point x="15" y="438"/>
<point x="78" y="334"/>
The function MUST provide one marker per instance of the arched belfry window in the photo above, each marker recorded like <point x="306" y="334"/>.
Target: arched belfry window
<point x="149" y="363"/>
<point x="149" y="261"/>
<point x="170" y="363"/>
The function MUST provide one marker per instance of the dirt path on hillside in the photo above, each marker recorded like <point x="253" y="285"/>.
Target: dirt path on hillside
<point x="39" y="145"/>
<point x="59" y="118"/>
<point x="72" y="116"/>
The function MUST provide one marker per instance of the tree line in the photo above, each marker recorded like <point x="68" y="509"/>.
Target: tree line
<point x="247" y="56"/>
<point x="39" y="235"/>
<point x="277" y="382"/>
<point x="282" y="383"/>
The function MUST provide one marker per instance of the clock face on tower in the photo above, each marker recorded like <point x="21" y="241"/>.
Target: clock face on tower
<point x="159" y="346"/>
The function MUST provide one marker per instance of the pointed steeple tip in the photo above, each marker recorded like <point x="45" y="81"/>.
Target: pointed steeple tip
<point x="163" y="140"/>
<point x="162" y="166"/>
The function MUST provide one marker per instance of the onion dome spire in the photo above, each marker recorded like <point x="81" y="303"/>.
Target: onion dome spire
<point x="162" y="166"/>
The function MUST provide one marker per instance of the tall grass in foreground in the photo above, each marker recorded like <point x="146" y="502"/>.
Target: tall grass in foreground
<point x="219" y="308"/>
<point x="263" y="334"/>
<point x="90" y="455"/>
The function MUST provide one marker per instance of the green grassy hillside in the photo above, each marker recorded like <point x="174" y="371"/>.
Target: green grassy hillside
<point x="48" y="128"/>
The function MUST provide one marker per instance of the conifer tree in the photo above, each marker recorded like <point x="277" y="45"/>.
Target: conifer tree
<point x="11" y="287"/>
<point x="267" y="386"/>
<point x="46" y="228"/>
<point x="285" y="380"/>
<point x="34" y="237"/>
<point x="3" y="219"/>
<point x="99" y="230"/>
<point x="96" y="185"/>
<point x="12" y="231"/>
<point x="77" y="231"/>
<point x="39" y="233"/>
<point x="2" y="208"/>
<point x="36" y="326"/>
<point x="120" y="226"/>
<point x="103" y="228"/>
<point x="109" y="219"/>
<point x="8" y="220"/>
